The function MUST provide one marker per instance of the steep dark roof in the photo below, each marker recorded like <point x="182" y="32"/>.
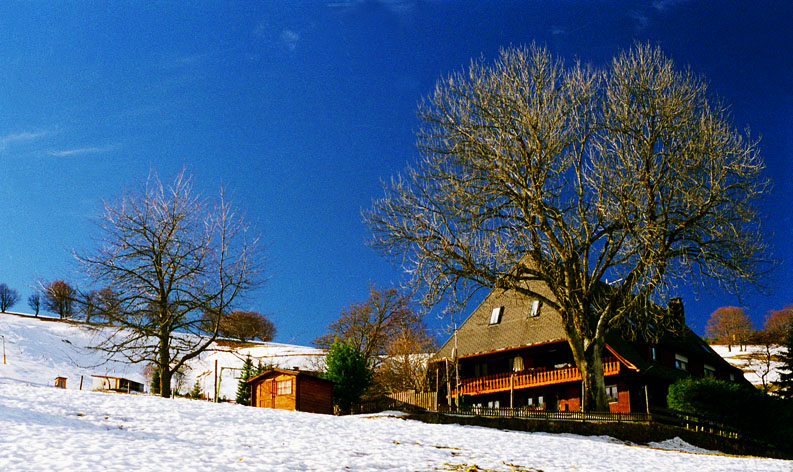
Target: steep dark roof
<point x="516" y="328"/>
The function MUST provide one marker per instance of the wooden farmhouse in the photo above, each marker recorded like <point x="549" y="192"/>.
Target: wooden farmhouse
<point x="513" y="352"/>
<point x="292" y="390"/>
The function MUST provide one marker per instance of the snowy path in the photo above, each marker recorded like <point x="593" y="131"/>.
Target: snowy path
<point x="43" y="428"/>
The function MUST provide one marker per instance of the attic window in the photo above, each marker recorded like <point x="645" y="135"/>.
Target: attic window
<point x="535" y="308"/>
<point x="495" y="316"/>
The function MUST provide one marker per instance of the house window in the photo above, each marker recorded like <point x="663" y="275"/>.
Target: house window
<point x="709" y="371"/>
<point x="611" y="393"/>
<point x="535" y="308"/>
<point x="495" y="316"/>
<point x="493" y="404"/>
<point x="681" y="362"/>
<point x="480" y="370"/>
<point x="530" y="402"/>
<point x="653" y="354"/>
<point x="540" y="400"/>
<point x="283" y="387"/>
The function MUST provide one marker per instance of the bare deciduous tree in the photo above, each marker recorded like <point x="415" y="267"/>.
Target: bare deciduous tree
<point x="59" y="298"/>
<point x="242" y="325"/>
<point x="729" y="325"/>
<point x="777" y="323"/>
<point x="169" y="255"/>
<point x="8" y="297"/>
<point x="542" y="178"/>
<point x="369" y="327"/>
<point x="34" y="302"/>
<point x="405" y="362"/>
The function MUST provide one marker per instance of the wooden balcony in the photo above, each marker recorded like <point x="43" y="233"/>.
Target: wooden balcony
<point x="527" y="379"/>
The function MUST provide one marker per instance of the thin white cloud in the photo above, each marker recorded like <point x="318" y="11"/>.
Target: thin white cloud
<point x="82" y="151"/>
<point x="20" y="138"/>
<point x="290" y="39"/>
<point x="25" y="136"/>
<point x="640" y="19"/>
<point x="399" y="7"/>
<point x="662" y="5"/>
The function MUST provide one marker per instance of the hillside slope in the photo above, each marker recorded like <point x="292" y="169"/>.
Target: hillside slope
<point x="39" y="349"/>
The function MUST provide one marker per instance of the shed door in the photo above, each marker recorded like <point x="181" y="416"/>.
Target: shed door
<point x="265" y="396"/>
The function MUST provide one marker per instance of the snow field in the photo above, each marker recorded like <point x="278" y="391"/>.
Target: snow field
<point x="44" y="428"/>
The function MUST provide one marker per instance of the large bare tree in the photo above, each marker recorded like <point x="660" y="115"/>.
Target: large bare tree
<point x="604" y="188"/>
<point x="169" y="255"/>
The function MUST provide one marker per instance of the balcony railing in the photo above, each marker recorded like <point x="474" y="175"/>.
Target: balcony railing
<point x="536" y="378"/>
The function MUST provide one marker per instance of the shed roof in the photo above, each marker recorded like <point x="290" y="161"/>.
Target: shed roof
<point x="296" y="373"/>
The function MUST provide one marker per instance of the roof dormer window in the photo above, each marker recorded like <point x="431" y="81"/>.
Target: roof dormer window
<point x="535" y="308"/>
<point x="495" y="316"/>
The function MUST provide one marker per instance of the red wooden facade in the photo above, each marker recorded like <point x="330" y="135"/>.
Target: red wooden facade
<point x="291" y="390"/>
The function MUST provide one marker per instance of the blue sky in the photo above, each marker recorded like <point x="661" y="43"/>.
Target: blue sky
<point x="303" y="108"/>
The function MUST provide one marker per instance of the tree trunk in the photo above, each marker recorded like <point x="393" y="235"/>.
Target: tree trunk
<point x="164" y="362"/>
<point x="593" y="384"/>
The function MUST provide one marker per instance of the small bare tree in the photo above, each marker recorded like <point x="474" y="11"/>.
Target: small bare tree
<point x="169" y="255"/>
<point x="369" y="327"/>
<point x="405" y="363"/>
<point x="59" y="298"/>
<point x="242" y="325"/>
<point x="594" y="191"/>
<point x="34" y="302"/>
<point x="8" y="297"/>
<point x="729" y="325"/>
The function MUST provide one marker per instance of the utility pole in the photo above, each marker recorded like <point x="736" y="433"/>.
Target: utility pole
<point x="216" y="380"/>
<point x="456" y="369"/>
<point x="4" y="349"/>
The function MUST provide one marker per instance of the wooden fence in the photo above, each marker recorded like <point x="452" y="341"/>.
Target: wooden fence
<point x="412" y="401"/>
<point x="423" y="400"/>
<point x="548" y="415"/>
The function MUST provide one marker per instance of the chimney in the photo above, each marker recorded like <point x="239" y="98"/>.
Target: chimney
<point x="676" y="311"/>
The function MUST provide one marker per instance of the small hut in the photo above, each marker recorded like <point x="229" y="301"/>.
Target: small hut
<point x="292" y="390"/>
<point x="105" y="383"/>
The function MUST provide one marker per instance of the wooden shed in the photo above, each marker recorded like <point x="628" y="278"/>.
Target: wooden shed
<point x="292" y="390"/>
<point x="104" y="383"/>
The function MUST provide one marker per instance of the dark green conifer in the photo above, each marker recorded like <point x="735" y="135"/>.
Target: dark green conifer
<point x="785" y="383"/>
<point x="195" y="393"/>
<point x="243" y="389"/>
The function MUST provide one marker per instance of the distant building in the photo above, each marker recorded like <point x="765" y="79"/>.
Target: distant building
<point x="292" y="390"/>
<point x="105" y="383"/>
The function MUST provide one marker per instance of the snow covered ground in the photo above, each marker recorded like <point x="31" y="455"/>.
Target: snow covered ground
<point x="752" y="360"/>
<point x="45" y="428"/>
<point x="39" y="349"/>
